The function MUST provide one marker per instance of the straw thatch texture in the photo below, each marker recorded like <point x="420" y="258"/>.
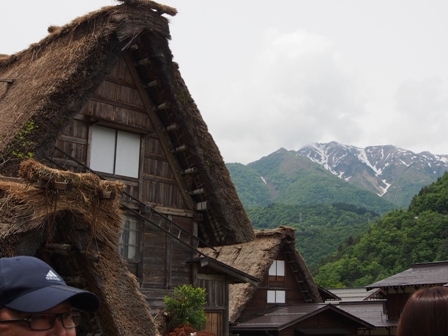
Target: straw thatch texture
<point x="255" y="258"/>
<point x="54" y="78"/>
<point x="161" y="9"/>
<point x="35" y="216"/>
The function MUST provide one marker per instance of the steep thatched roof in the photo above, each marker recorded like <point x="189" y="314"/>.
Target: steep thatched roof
<point x="255" y="258"/>
<point x="54" y="78"/>
<point x="70" y="221"/>
<point x="50" y="82"/>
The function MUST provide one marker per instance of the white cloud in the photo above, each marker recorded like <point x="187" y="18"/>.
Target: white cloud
<point x="421" y="114"/>
<point x="297" y="91"/>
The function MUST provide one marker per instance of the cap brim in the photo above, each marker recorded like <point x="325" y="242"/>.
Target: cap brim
<point x="48" y="297"/>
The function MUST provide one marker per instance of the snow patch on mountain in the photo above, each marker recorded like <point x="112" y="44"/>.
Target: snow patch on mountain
<point x="377" y="168"/>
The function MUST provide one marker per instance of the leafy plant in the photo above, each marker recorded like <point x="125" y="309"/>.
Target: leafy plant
<point x="18" y="146"/>
<point x="21" y="142"/>
<point x="186" y="307"/>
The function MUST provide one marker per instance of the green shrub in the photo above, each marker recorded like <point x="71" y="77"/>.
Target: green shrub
<point x="186" y="307"/>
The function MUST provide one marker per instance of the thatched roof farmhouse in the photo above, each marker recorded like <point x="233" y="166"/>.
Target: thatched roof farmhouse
<point x="255" y="258"/>
<point x="76" y="73"/>
<point x="286" y="301"/>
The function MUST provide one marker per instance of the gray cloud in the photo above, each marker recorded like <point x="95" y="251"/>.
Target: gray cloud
<point x="297" y="91"/>
<point x="421" y="114"/>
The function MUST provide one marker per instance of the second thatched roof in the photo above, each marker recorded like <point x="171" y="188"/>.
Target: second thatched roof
<point x="255" y="258"/>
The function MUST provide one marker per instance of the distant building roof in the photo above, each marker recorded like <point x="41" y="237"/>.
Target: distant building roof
<point x="357" y="293"/>
<point x="282" y="317"/>
<point x="372" y="311"/>
<point x="327" y="295"/>
<point x="434" y="273"/>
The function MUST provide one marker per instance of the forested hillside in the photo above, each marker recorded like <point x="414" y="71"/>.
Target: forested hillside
<point x="251" y="189"/>
<point x="287" y="178"/>
<point x="394" y="242"/>
<point x="287" y="189"/>
<point x="320" y="229"/>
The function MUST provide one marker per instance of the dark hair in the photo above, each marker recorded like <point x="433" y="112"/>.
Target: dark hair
<point x="425" y="313"/>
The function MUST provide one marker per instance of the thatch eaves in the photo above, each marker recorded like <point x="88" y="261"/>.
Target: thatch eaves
<point x="255" y="258"/>
<point x="53" y="79"/>
<point x="72" y="222"/>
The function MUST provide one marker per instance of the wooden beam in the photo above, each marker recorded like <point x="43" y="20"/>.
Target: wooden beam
<point x="147" y="102"/>
<point x="181" y="148"/>
<point x="172" y="127"/>
<point x="55" y="185"/>
<point x="199" y="191"/>
<point x="201" y="206"/>
<point x="11" y="179"/>
<point x="159" y="179"/>
<point x="117" y="104"/>
<point x="62" y="249"/>
<point x="163" y="106"/>
<point x="154" y="83"/>
<point x="119" y="81"/>
<point x="192" y="170"/>
<point x="175" y="212"/>
<point x="106" y="194"/>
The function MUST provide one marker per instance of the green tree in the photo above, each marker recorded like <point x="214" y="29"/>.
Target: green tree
<point x="393" y="242"/>
<point x="186" y="307"/>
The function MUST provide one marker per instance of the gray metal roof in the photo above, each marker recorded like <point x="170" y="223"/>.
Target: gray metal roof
<point x="282" y="317"/>
<point x="356" y="293"/>
<point x="435" y="273"/>
<point x="371" y="311"/>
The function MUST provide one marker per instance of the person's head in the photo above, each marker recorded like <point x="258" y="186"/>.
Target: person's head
<point x="33" y="297"/>
<point x="425" y="313"/>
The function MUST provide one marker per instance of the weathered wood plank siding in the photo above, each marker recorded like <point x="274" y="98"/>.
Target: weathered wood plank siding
<point x="215" y="323"/>
<point x="217" y="301"/>
<point x="162" y="262"/>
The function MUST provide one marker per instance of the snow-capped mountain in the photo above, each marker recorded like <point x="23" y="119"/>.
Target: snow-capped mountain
<point x="393" y="173"/>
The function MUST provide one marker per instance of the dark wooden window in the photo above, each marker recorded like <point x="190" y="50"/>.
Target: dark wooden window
<point x="128" y="245"/>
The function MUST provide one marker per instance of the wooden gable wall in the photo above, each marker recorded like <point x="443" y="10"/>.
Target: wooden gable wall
<point x="287" y="283"/>
<point x="327" y="323"/>
<point x="117" y="104"/>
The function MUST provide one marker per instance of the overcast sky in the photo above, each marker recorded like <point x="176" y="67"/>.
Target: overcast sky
<point x="287" y="73"/>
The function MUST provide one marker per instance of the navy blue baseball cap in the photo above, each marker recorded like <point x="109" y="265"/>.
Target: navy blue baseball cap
<point x="28" y="284"/>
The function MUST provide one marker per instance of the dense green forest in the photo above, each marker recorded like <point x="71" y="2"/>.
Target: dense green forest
<point x="320" y="229"/>
<point x="392" y="243"/>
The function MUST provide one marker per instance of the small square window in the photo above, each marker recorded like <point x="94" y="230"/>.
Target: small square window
<point x="114" y="152"/>
<point x="277" y="268"/>
<point x="276" y="296"/>
<point x="271" y="296"/>
<point x="280" y="296"/>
